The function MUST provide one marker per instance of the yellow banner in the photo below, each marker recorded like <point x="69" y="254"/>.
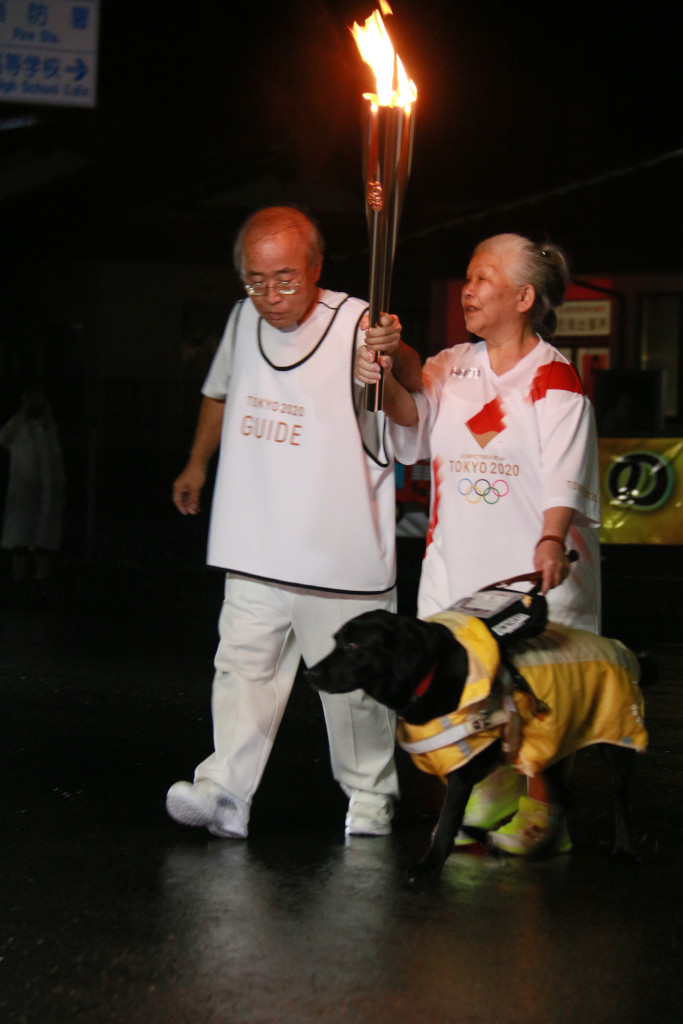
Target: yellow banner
<point x="641" y="490"/>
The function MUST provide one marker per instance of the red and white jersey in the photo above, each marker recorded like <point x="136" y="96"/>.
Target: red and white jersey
<point x="504" y="448"/>
<point x="298" y="497"/>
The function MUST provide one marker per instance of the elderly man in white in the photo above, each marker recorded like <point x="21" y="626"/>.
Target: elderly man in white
<point x="302" y="520"/>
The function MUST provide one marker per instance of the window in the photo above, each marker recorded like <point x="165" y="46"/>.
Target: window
<point x="660" y="344"/>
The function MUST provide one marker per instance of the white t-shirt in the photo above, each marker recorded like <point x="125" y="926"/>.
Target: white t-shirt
<point x="504" y="448"/>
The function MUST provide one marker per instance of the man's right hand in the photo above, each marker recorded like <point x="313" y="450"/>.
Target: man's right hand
<point x="186" y="490"/>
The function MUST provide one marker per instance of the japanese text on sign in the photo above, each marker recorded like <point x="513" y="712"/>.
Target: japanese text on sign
<point x="580" y="318"/>
<point x="48" y="51"/>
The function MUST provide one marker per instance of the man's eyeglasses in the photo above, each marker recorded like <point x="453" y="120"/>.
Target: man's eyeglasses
<point x="281" y="287"/>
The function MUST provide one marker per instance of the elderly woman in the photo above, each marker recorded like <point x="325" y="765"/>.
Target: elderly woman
<point x="512" y="443"/>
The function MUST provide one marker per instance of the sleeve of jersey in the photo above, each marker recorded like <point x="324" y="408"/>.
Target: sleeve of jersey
<point x="412" y="443"/>
<point x="568" y="439"/>
<point x="218" y="378"/>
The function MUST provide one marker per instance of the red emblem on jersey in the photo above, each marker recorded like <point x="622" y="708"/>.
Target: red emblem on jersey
<point x="554" y="376"/>
<point x="487" y="423"/>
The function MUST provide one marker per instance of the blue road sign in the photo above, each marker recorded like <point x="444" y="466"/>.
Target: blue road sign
<point x="48" y="51"/>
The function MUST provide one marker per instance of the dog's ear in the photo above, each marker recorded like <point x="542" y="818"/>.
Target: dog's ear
<point x="386" y="654"/>
<point x="377" y="624"/>
<point x="439" y="692"/>
<point x="413" y="644"/>
<point x="406" y="639"/>
<point x="409" y="646"/>
<point x="411" y="650"/>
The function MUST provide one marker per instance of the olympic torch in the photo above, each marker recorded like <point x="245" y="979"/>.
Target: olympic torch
<point x="388" y="146"/>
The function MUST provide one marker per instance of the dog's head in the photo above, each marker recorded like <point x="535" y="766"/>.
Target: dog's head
<point x="417" y="668"/>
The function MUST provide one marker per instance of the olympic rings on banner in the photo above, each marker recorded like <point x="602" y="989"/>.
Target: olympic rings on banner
<point x="480" y="489"/>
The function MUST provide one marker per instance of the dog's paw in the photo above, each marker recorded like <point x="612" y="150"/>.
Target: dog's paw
<point x="420" y="875"/>
<point x="619" y="855"/>
<point x="632" y="851"/>
<point x="631" y="847"/>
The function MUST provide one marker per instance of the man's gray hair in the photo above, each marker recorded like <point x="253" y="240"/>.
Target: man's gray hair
<point x="270" y="221"/>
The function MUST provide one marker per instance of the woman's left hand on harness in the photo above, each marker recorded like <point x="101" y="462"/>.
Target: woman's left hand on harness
<point x="550" y="559"/>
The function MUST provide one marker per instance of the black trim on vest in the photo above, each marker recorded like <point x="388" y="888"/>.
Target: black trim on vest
<point x="293" y="366"/>
<point x="304" y="586"/>
<point x="371" y="455"/>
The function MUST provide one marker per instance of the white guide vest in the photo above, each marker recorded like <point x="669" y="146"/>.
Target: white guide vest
<point x="298" y="499"/>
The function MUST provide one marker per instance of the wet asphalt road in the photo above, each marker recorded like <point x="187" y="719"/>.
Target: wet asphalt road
<point x="113" y="913"/>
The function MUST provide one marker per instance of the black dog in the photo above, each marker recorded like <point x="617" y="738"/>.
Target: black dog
<point x="419" y="669"/>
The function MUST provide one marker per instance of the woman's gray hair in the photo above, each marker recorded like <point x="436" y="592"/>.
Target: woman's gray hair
<point x="543" y="265"/>
<point x="273" y="219"/>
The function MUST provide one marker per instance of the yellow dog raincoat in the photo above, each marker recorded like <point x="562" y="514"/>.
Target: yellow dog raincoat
<point x="586" y="690"/>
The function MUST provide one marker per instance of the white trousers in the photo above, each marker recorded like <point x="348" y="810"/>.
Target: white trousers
<point x="264" y="631"/>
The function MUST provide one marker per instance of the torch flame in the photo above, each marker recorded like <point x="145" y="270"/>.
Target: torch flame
<point x="394" y="88"/>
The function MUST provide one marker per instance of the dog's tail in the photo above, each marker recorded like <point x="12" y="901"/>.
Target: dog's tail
<point x="649" y="669"/>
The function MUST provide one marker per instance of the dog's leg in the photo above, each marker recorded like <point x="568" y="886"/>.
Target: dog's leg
<point x="619" y="761"/>
<point x="460" y="783"/>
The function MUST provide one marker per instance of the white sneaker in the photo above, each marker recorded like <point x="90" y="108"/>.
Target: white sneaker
<point x="369" y="814"/>
<point x="206" y="803"/>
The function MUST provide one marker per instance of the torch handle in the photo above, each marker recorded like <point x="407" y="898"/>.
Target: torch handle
<point x="388" y="158"/>
<point x="374" y="393"/>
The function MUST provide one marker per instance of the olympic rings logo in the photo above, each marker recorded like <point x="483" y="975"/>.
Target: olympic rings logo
<point x="481" y="490"/>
